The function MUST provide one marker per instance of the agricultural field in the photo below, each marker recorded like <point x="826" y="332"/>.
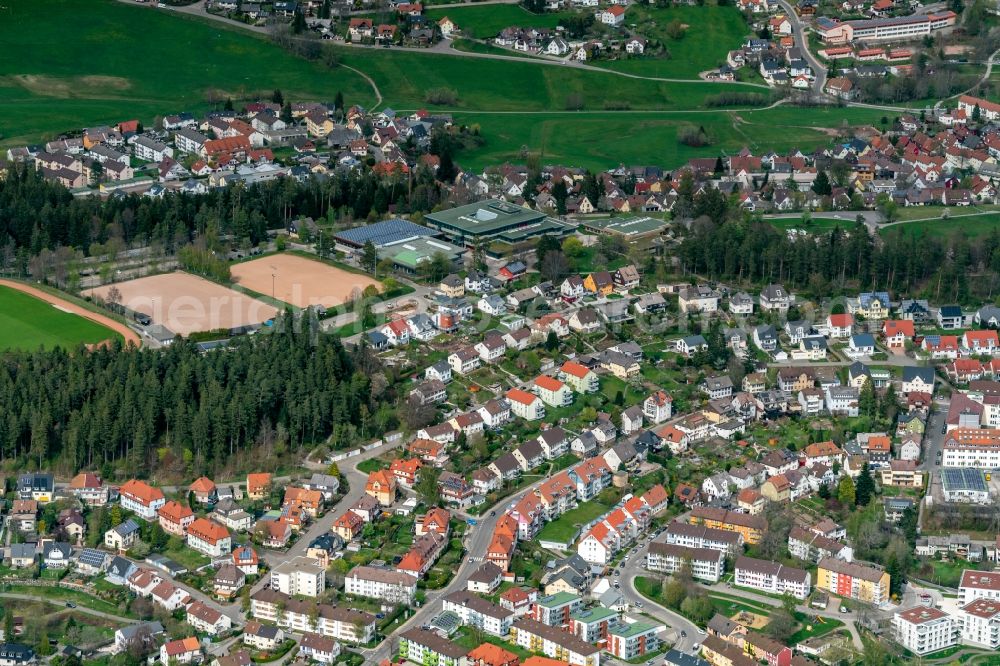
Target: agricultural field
<point x="111" y="71"/>
<point x="186" y="303"/>
<point x="27" y="322"/>
<point x="300" y="281"/>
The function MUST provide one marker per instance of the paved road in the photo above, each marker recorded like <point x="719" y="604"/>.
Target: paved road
<point x="322" y="525"/>
<point x="477" y="542"/>
<point x="678" y="623"/>
<point x="802" y="41"/>
<point x="635" y="567"/>
<point x="933" y="437"/>
<point x="233" y="611"/>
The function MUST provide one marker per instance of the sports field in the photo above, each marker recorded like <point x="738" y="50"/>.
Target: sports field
<point x="27" y="322"/>
<point x="186" y="303"/>
<point x="299" y="281"/>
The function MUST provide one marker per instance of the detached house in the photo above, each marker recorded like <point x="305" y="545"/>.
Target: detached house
<point x="141" y="498"/>
<point x="382" y="486"/>
<point x="774" y="298"/>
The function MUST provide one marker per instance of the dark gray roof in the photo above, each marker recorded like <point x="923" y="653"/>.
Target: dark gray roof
<point x="383" y="233"/>
<point x="911" y="372"/>
<point x="92" y="557"/>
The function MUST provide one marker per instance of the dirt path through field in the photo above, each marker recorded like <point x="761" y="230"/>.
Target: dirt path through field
<point x="116" y="326"/>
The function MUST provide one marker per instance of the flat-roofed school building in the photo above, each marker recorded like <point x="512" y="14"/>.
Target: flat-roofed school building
<point x="494" y="220"/>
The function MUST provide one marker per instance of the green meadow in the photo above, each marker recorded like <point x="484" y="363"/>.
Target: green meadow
<point x="27" y="322"/>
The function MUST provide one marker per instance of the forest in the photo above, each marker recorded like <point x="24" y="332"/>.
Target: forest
<point x="180" y="412"/>
<point x="37" y="215"/>
<point x="749" y="250"/>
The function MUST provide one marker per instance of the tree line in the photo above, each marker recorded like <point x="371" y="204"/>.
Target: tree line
<point x="747" y="249"/>
<point x="179" y="411"/>
<point x="37" y="215"/>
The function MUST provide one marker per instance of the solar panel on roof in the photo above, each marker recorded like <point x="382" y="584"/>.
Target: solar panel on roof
<point x="963" y="478"/>
<point x="383" y="233"/>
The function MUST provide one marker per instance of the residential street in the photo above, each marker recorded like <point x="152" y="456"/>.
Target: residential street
<point x="933" y="437"/>
<point x="636" y="567"/>
<point x="802" y="41"/>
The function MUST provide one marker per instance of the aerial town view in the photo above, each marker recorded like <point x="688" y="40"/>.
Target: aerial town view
<point x="500" y="332"/>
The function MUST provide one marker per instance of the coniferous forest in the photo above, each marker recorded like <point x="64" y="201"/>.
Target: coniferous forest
<point x="179" y="411"/>
<point x="748" y="250"/>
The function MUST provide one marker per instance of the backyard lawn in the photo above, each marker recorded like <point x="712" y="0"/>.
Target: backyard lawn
<point x="565" y="527"/>
<point x="188" y="557"/>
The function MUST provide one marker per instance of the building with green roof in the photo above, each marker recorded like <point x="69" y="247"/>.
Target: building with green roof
<point x="629" y="228"/>
<point x="633" y="640"/>
<point x="593" y="624"/>
<point x="409" y="254"/>
<point x="555" y="609"/>
<point x="494" y="220"/>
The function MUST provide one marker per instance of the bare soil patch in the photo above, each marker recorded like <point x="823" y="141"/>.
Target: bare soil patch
<point x="186" y="303"/>
<point x="300" y="281"/>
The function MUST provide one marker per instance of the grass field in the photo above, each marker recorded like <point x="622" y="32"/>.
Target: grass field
<point x="128" y="61"/>
<point x="600" y="140"/>
<point x="489" y="85"/>
<point x="816" y="225"/>
<point x="111" y="71"/>
<point x="27" y="323"/>
<point x="61" y="594"/>
<point x="972" y="226"/>
<point x="712" y="33"/>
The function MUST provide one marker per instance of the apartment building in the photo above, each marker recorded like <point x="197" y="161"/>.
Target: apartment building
<point x="853" y="581"/>
<point x="923" y="630"/>
<point x="772" y="577"/>
<point x="706" y="563"/>
<point x="344" y="624"/>
<point x="384" y="584"/>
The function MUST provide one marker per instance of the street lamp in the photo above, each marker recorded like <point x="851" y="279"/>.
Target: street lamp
<point x="273" y="275"/>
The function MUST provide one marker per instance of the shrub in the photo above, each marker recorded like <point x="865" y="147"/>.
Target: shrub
<point x="696" y="137"/>
<point x="736" y="99"/>
<point x="442" y="96"/>
<point x="574" y="102"/>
